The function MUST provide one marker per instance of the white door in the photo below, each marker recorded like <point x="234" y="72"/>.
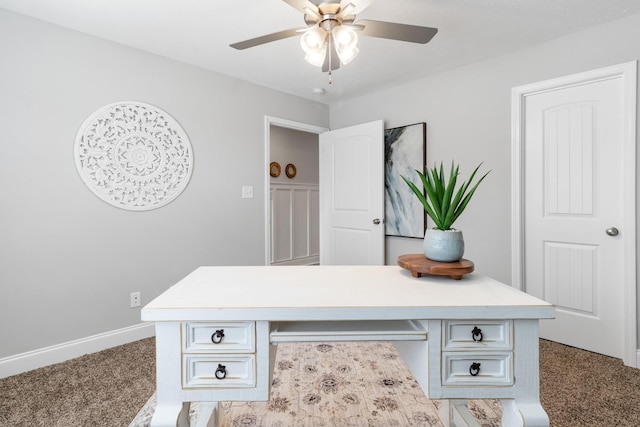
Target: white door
<point x="574" y="211"/>
<point x="352" y="195"/>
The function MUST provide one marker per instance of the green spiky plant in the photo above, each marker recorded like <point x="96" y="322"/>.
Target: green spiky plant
<point x="443" y="204"/>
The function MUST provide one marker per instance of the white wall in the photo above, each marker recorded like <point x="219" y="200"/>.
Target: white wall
<point x="468" y="118"/>
<point x="68" y="261"/>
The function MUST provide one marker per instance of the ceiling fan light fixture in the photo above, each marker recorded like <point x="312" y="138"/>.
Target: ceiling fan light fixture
<point x="331" y="37"/>
<point x="347" y="55"/>
<point x="345" y="38"/>
<point x="313" y="39"/>
<point x="316" y="57"/>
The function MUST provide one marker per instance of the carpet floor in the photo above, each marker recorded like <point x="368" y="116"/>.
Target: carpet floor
<point x="109" y="388"/>
<point x="104" y="389"/>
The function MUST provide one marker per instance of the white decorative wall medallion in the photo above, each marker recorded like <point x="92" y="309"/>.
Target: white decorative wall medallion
<point x="133" y="156"/>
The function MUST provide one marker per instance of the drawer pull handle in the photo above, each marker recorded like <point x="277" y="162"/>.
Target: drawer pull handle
<point x="221" y="372"/>
<point x="474" y="369"/>
<point x="475" y="333"/>
<point x="217" y="336"/>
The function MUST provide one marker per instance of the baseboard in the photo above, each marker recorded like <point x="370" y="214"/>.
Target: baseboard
<point x="24" y="362"/>
<point x="637" y="359"/>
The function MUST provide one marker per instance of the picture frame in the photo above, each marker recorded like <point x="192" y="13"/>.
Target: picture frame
<point x="405" y="151"/>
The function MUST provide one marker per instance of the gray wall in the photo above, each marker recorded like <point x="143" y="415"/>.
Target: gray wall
<point x="468" y="115"/>
<point x="300" y="149"/>
<point x="68" y="260"/>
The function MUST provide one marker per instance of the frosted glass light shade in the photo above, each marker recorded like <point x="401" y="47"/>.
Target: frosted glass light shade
<point x="313" y="39"/>
<point x="347" y="55"/>
<point x="345" y="38"/>
<point x="316" y="57"/>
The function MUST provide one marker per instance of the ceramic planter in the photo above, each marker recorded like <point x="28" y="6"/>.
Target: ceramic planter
<point x="443" y="245"/>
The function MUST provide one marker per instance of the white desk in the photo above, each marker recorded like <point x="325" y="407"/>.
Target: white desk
<point x="431" y="320"/>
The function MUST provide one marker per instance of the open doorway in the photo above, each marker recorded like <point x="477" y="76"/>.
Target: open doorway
<point x="291" y="189"/>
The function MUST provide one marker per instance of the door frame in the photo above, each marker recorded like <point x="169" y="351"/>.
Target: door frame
<point x="284" y="123"/>
<point x="628" y="73"/>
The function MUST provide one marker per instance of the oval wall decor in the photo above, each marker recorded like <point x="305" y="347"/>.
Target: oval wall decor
<point x="274" y="169"/>
<point x="133" y="156"/>
<point x="290" y="170"/>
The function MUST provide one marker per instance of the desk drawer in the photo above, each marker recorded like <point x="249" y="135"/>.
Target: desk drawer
<point x="485" y="334"/>
<point x="483" y="368"/>
<point x="219" y="371"/>
<point x="219" y="337"/>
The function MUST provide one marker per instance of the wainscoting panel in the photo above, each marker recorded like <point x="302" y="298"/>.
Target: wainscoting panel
<point x="295" y="224"/>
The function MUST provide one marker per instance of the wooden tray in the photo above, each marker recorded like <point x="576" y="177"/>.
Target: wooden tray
<point x="418" y="265"/>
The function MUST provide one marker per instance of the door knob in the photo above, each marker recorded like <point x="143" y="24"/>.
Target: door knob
<point x="612" y="231"/>
<point x="376" y="221"/>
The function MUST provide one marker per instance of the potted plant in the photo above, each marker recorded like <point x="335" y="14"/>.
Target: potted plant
<point x="443" y="204"/>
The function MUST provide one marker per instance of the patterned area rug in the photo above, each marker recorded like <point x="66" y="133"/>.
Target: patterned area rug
<point x="339" y="385"/>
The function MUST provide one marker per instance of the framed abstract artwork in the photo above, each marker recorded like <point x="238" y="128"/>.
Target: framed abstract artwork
<point x="405" y="151"/>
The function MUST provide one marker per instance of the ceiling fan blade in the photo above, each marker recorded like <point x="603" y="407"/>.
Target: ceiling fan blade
<point x="346" y="11"/>
<point x="335" y="60"/>
<point x="266" y="39"/>
<point x="359" y="5"/>
<point x="393" y="31"/>
<point x="354" y="27"/>
<point x="301" y="5"/>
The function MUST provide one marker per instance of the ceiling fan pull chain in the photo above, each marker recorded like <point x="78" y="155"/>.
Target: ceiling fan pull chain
<point x="330" y="52"/>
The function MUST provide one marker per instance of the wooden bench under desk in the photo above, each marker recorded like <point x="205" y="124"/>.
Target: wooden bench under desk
<point x="217" y="332"/>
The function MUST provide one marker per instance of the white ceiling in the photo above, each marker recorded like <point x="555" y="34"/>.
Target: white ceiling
<point x="199" y="32"/>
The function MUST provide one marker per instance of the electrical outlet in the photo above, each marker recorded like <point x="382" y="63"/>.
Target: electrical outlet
<point x="135" y="299"/>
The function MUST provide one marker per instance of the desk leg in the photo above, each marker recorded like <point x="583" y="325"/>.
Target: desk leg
<point x="520" y="413"/>
<point x="209" y="415"/>
<point x="170" y="411"/>
<point x="525" y="409"/>
<point x="416" y="356"/>
<point x="170" y="414"/>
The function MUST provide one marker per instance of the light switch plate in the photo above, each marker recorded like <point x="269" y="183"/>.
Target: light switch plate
<point x="247" y="191"/>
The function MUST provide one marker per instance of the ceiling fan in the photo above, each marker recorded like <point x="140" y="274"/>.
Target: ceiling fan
<point x="331" y="36"/>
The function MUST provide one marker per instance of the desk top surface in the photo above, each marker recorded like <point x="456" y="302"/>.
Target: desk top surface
<point x="337" y="293"/>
